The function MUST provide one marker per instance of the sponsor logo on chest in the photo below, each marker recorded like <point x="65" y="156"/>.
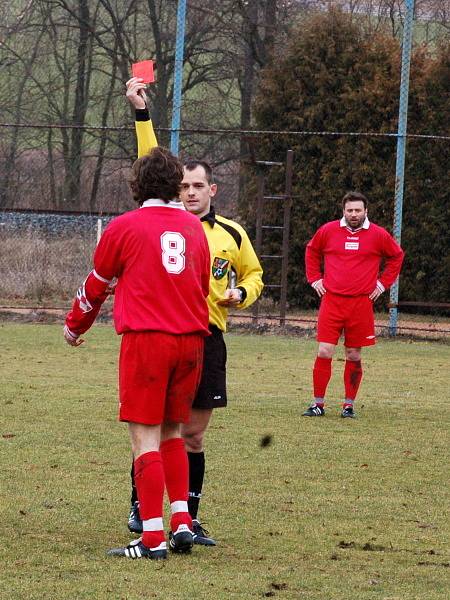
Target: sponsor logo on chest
<point x="352" y="243"/>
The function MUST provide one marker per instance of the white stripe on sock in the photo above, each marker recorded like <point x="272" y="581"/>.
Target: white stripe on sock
<point x="155" y="524"/>
<point x="179" y="506"/>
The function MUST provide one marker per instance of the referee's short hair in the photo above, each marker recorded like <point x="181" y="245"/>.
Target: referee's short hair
<point x="354" y="197"/>
<point x="192" y="164"/>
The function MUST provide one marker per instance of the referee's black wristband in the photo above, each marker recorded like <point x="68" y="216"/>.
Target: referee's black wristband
<point x="142" y="114"/>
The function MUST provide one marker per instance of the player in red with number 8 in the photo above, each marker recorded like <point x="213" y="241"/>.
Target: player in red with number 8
<point x="160" y="257"/>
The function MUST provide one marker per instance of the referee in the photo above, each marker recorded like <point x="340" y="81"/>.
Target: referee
<point x="235" y="282"/>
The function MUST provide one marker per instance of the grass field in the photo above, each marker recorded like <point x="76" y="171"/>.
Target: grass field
<point x="333" y="509"/>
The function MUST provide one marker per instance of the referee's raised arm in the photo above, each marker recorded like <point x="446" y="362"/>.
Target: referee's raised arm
<point x="146" y="138"/>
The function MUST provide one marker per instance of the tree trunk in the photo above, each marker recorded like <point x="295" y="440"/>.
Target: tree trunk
<point x="74" y="157"/>
<point x="160" y="113"/>
<point x="248" y="73"/>
<point x="101" y="151"/>
<point x="6" y="199"/>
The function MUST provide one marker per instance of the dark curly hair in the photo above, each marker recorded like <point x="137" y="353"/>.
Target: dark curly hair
<point x="158" y="174"/>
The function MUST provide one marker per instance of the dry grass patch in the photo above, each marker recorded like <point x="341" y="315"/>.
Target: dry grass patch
<point x="42" y="268"/>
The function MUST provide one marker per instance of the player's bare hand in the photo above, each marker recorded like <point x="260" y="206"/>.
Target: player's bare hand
<point x="71" y="338"/>
<point x="231" y="298"/>
<point x="375" y="294"/>
<point x="136" y="93"/>
<point x="319" y="287"/>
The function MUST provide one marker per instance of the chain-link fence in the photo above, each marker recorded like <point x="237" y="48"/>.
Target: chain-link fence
<point x="46" y="246"/>
<point x="51" y="210"/>
<point x="44" y="256"/>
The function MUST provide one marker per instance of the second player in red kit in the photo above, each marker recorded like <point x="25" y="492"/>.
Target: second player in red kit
<point x="343" y="261"/>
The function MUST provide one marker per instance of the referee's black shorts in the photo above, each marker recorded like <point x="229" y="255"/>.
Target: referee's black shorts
<point x="212" y="391"/>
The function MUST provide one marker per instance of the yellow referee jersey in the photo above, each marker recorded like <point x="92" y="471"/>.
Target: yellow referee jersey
<point x="231" y="252"/>
<point x="229" y="245"/>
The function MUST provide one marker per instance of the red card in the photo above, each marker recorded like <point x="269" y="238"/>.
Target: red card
<point x="144" y="70"/>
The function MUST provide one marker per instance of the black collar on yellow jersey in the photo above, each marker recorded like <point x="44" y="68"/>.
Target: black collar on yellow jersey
<point x="212" y="219"/>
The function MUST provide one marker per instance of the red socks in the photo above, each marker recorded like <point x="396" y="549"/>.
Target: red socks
<point x="176" y="471"/>
<point x="321" y="376"/>
<point x="153" y="471"/>
<point x="149" y="478"/>
<point x="352" y="379"/>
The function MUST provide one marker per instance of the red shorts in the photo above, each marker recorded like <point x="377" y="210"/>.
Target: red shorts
<point x="351" y="314"/>
<point x="159" y="375"/>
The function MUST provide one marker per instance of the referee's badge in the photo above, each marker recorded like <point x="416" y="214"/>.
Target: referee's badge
<point x="220" y="267"/>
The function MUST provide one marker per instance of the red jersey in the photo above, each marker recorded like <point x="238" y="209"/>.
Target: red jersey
<point x="160" y="257"/>
<point x="352" y="259"/>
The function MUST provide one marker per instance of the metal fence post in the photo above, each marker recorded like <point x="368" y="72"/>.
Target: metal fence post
<point x="286" y="231"/>
<point x="178" y="77"/>
<point x="99" y="228"/>
<point x="258" y="240"/>
<point x="401" y="150"/>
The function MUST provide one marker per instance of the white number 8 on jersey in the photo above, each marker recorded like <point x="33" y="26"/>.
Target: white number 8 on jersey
<point x="173" y="246"/>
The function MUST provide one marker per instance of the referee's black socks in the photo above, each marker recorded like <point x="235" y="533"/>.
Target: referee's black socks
<point x="134" y="495"/>
<point x="196" y="476"/>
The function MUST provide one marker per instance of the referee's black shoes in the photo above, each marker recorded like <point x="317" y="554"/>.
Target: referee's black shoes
<point x="134" y="520"/>
<point x="201" y="535"/>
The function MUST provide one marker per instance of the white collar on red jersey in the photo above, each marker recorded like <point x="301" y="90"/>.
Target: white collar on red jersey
<point x="365" y="225"/>
<point x="157" y="202"/>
